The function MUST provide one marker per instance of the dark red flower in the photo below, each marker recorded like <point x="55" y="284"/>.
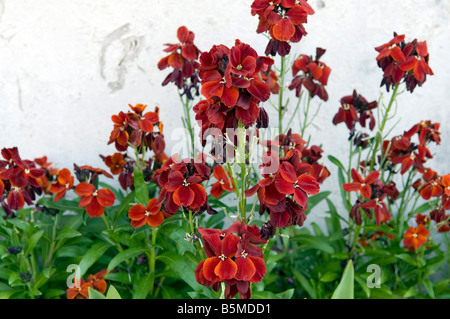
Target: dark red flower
<point x="180" y="182"/>
<point x="403" y="61"/>
<point x="361" y="184"/>
<point x="380" y="209"/>
<point x="223" y="183"/>
<point x="283" y="20"/>
<point x="232" y="258"/>
<point x="63" y="183"/>
<point x="313" y="75"/>
<point x="94" y="200"/>
<point x="115" y="163"/>
<point x="414" y="238"/>
<point x="418" y="63"/>
<point x="151" y="215"/>
<point x="183" y="58"/>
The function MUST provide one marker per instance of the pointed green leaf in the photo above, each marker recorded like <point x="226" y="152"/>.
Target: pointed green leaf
<point x="92" y="255"/>
<point x="32" y="241"/>
<point x="94" y="294"/>
<point x="140" y="187"/>
<point x="345" y="289"/>
<point x="113" y="293"/>
<point x="124" y="255"/>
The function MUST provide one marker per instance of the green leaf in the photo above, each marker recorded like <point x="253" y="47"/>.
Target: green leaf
<point x="341" y="180"/>
<point x="270" y="295"/>
<point x="123" y="207"/>
<point x="62" y="205"/>
<point x="429" y="287"/>
<point x="306" y="285"/>
<point x="93" y="254"/>
<point x="345" y="289"/>
<point x="113" y="293"/>
<point x="316" y="199"/>
<point x="143" y="287"/>
<point x="407" y="258"/>
<point x="336" y="162"/>
<point x="140" y="187"/>
<point x="32" y="241"/>
<point x="67" y="233"/>
<point x="94" y="294"/>
<point x="329" y="276"/>
<point x="314" y="242"/>
<point x="125" y="255"/>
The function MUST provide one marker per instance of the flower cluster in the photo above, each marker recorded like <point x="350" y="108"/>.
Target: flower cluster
<point x="137" y="128"/>
<point x="232" y="85"/>
<point x="308" y="154"/>
<point x="19" y="181"/>
<point x="181" y="186"/>
<point x="402" y="150"/>
<point x="183" y="58"/>
<point x="355" y="109"/>
<point x="373" y="194"/>
<point x="232" y="258"/>
<point x="285" y="188"/>
<point x="313" y="75"/>
<point x="403" y="61"/>
<point x="432" y="186"/>
<point x="283" y="20"/>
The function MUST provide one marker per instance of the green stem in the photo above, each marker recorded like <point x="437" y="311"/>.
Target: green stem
<point x="280" y="96"/>
<point x="242" y="164"/>
<point x="152" y="258"/>
<point x="49" y="257"/>
<point x="305" y="119"/>
<point x="401" y="208"/>
<point x="379" y="136"/>
<point x="188" y="125"/>
<point x="192" y="228"/>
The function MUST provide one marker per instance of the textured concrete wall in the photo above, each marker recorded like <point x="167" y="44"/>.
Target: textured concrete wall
<point x="67" y="65"/>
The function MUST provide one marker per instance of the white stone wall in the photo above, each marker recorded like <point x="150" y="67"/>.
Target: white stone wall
<point x="67" y="65"/>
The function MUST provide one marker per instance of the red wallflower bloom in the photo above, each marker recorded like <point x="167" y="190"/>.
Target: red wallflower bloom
<point x="180" y="182"/>
<point x="418" y="64"/>
<point x="355" y="108"/>
<point x="392" y="49"/>
<point x="361" y="184"/>
<point x="96" y="282"/>
<point x="136" y="127"/>
<point x="445" y="183"/>
<point x="283" y="20"/>
<point x="403" y="61"/>
<point x="81" y="292"/>
<point x="314" y="75"/>
<point x="233" y="85"/>
<point x="223" y="182"/>
<point x="115" y="163"/>
<point x="432" y="188"/>
<point x="414" y="238"/>
<point x="287" y="178"/>
<point x="63" y="183"/>
<point x="183" y="59"/>
<point x="94" y="200"/>
<point x="233" y="258"/>
<point x="21" y="180"/>
<point x="151" y="215"/>
<point x="380" y="209"/>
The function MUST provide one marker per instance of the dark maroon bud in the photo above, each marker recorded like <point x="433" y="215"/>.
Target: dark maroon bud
<point x="263" y="119"/>
<point x="267" y="231"/>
